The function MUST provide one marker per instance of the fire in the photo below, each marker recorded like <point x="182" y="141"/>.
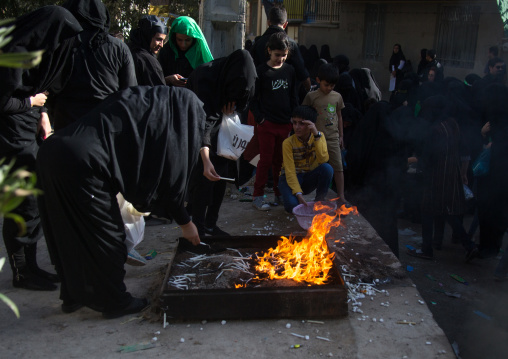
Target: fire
<point x="308" y="260"/>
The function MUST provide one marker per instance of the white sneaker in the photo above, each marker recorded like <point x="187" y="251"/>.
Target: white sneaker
<point x="258" y="203"/>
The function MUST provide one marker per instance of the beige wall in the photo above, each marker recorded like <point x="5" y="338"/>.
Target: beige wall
<point x="412" y="24"/>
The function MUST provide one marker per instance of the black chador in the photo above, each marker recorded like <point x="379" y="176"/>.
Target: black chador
<point x="54" y="30"/>
<point x="102" y="65"/>
<point x="141" y="142"/>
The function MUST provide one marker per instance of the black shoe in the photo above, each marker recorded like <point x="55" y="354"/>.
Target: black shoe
<point x="32" y="282"/>
<point x="135" y="306"/>
<point x="70" y="306"/>
<point x="216" y="231"/>
<point x="52" y="277"/>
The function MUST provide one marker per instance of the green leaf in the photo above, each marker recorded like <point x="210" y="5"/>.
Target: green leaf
<point x="4" y="40"/>
<point x="19" y="221"/>
<point x="11" y="204"/>
<point x="24" y="60"/>
<point x="10" y="304"/>
<point x="6" y="21"/>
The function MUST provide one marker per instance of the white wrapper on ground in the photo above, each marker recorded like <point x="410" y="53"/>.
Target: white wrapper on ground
<point x="233" y="137"/>
<point x="134" y="223"/>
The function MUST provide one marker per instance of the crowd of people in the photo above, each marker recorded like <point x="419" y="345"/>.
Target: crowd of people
<point x="142" y="119"/>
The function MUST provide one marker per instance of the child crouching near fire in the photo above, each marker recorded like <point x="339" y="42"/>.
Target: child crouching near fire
<point x="305" y="157"/>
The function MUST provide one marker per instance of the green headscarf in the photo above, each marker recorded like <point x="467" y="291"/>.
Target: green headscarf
<point x="197" y="54"/>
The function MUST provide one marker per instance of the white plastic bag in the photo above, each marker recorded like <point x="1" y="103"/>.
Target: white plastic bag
<point x="393" y="80"/>
<point x="233" y="137"/>
<point x="133" y="221"/>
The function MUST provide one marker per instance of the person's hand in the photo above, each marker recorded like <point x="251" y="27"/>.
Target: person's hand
<point x="412" y="160"/>
<point x="38" y="100"/>
<point x="229" y="108"/>
<point x="44" y="126"/>
<point x="341" y="142"/>
<point x="301" y="200"/>
<point x="190" y="232"/>
<point x="485" y="129"/>
<point x="394" y="73"/>
<point x="209" y="172"/>
<point x="311" y="126"/>
<point x="175" y="80"/>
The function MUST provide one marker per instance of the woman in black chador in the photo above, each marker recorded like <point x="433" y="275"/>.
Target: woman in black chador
<point x="141" y="142"/>
<point x="23" y="121"/>
<point x="397" y="62"/>
<point x="101" y="66"/>
<point x="223" y="85"/>
<point x="443" y="191"/>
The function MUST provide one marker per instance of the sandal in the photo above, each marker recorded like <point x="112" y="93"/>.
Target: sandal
<point x="418" y="254"/>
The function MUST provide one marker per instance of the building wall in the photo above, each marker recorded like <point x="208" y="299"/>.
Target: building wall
<point x="412" y="24"/>
<point x="223" y="25"/>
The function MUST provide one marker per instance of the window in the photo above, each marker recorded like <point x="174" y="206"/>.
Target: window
<point x="322" y="11"/>
<point x="374" y="31"/>
<point x="457" y="35"/>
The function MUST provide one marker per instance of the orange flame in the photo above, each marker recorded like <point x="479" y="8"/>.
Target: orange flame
<point x="308" y="260"/>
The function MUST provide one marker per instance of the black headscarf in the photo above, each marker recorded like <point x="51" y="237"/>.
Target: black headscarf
<point x="223" y="80"/>
<point x="396" y="58"/>
<point x="341" y="62"/>
<point x="92" y="15"/>
<point x="345" y="87"/>
<point x="312" y="57"/>
<point x="325" y="53"/>
<point x="52" y="29"/>
<point x="423" y="62"/>
<point x="148" y="26"/>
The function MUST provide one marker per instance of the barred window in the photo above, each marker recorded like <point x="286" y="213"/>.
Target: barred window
<point x="324" y="11"/>
<point x="457" y="35"/>
<point x="374" y="31"/>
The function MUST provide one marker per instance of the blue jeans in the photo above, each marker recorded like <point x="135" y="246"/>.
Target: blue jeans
<point x="318" y="179"/>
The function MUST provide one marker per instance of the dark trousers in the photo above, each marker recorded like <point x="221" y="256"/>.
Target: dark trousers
<point x="433" y="231"/>
<point x="318" y="179"/>
<point x="206" y="196"/>
<point x="21" y="249"/>
<point x="492" y="217"/>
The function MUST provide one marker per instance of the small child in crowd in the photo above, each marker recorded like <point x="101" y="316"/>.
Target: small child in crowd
<point x="328" y="104"/>
<point x="305" y="158"/>
<point x="275" y="99"/>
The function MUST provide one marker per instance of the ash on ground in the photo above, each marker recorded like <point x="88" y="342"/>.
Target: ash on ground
<point x="219" y="271"/>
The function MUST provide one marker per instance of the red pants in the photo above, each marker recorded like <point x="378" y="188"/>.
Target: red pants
<point x="270" y="136"/>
